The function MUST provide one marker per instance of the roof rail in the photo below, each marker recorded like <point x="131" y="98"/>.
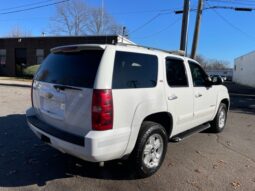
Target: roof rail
<point x="176" y="52"/>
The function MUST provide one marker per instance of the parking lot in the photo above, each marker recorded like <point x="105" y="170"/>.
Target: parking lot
<point x="203" y="161"/>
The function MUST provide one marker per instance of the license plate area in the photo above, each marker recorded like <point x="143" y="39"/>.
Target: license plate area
<point x="53" y="107"/>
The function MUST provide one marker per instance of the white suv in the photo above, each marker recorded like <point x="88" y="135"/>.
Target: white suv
<point x="105" y="102"/>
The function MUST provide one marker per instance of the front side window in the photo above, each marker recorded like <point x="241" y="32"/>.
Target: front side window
<point x="198" y="74"/>
<point x="134" y="70"/>
<point x="176" y="73"/>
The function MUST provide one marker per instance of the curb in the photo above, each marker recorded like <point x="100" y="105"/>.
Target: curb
<point x="15" y="85"/>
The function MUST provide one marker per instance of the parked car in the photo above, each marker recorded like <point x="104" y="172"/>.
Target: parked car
<point x="218" y="77"/>
<point x="224" y="78"/>
<point x="105" y="102"/>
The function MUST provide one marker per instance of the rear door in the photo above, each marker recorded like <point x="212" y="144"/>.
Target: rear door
<point x="63" y="88"/>
<point x="179" y="94"/>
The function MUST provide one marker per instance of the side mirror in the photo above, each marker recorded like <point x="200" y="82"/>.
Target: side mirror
<point x="209" y="82"/>
<point x="217" y="80"/>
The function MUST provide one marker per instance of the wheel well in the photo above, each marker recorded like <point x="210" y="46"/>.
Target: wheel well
<point x="163" y="118"/>
<point x="225" y="101"/>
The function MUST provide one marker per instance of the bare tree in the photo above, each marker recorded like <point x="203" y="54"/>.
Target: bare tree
<point x="101" y="22"/>
<point x="71" y="18"/>
<point x="212" y="64"/>
<point x="201" y="60"/>
<point x="76" y="18"/>
<point x="217" y="64"/>
<point x="17" y="31"/>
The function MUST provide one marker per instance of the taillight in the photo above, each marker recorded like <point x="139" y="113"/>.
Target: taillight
<point x="32" y="87"/>
<point x="102" y="110"/>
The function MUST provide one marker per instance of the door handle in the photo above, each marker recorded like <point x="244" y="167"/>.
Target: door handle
<point x="198" y="95"/>
<point x="172" y="97"/>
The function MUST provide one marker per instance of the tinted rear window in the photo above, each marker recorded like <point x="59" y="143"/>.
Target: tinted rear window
<point x="72" y="69"/>
<point x="134" y="70"/>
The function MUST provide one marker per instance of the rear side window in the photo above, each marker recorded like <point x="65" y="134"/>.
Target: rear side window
<point x="134" y="70"/>
<point x="72" y="69"/>
<point x="176" y="73"/>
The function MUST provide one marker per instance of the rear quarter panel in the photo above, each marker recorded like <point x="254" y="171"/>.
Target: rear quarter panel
<point x="131" y="106"/>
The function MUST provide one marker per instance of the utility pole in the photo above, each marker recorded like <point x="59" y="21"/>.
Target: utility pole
<point x="197" y="29"/>
<point x="185" y="20"/>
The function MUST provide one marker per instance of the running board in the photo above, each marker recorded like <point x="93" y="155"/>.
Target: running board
<point x="179" y="137"/>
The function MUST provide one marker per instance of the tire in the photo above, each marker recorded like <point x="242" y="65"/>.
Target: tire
<point x="219" y="122"/>
<point x="150" y="149"/>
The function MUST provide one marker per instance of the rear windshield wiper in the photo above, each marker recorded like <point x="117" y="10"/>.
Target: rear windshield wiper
<point x="64" y="87"/>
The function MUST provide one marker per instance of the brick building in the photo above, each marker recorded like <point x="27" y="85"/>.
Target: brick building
<point x="17" y="54"/>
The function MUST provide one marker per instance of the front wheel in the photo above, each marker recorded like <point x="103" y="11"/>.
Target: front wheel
<point x="219" y="122"/>
<point x="150" y="149"/>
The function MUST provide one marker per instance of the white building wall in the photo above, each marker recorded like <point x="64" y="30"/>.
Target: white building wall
<point x="244" y="70"/>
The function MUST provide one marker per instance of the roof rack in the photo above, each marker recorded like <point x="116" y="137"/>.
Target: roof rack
<point x="176" y="52"/>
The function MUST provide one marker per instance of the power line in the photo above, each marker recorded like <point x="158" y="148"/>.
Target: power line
<point x="228" y="7"/>
<point x="143" y="11"/>
<point x="231" y="24"/>
<point x="26" y="5"/>
<point x="23" y="18"/>
<point x="155" y="17"/>
<point x="232" y="2"/>
<point x="32" y="8"/>
<point x="147" y="22"/>
<point x="160" y="31"/>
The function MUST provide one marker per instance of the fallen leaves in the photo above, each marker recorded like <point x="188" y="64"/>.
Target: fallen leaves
<point x="228" y="143"/>
<point x="195" y="184"/>
<point x="219" y="163"/>
<point x="197" y="170"/>
<point x="235" y="184"/>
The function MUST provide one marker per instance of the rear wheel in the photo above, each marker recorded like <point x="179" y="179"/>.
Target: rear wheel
<point x="150" y="149"/>
<point x="219" y="122"/>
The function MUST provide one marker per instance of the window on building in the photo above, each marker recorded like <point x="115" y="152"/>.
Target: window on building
<point x="176" y="73"/>
<point x="134" y="70"/>
<point x="2" y="57"/>
<point x="39" y="56"/>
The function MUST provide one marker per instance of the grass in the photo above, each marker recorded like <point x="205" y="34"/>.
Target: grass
<point x="27" y="72"/>
<point x="30" y="71"/>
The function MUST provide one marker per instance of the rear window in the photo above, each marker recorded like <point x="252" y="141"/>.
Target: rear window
<point x="72" y="69"/>
<point x="134" y="70"/>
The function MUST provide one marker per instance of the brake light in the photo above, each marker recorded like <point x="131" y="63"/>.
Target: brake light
<point x="102" y="110"/>
<point x="32" y="102"/>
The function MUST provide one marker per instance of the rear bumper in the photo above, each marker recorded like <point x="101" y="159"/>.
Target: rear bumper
<point x="95" y="146"/>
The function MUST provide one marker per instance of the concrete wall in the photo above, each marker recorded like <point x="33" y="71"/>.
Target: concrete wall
<point x="244" y="70"/>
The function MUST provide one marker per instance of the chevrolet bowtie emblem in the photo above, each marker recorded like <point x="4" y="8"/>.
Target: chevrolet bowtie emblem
<point x="49" y="95"/>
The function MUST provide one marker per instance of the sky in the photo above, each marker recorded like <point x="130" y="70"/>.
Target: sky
<point x="225" y="34"/>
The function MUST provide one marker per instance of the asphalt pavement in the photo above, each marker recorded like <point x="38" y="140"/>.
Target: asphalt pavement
<point x="204" y="161"/>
